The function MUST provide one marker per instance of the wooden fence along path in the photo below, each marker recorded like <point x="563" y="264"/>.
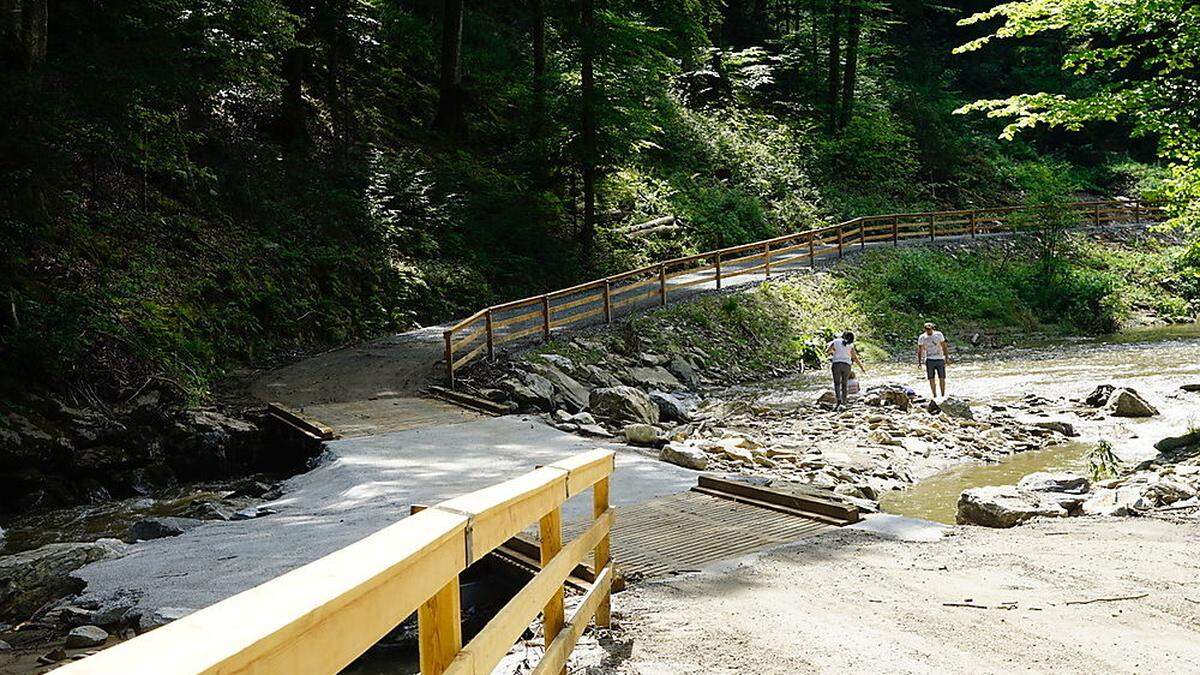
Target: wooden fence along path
<point x="482" y="332"/>
<point x="322" y="616"/>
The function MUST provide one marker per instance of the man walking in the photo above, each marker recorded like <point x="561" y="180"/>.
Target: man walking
<point x="931" y="350"/>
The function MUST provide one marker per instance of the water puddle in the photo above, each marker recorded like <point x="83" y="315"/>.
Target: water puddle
<point x="936" y="497"/>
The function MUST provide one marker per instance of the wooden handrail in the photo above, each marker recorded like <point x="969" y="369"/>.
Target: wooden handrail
<point x="322" y="616"/>
<point x="977" y="219"/>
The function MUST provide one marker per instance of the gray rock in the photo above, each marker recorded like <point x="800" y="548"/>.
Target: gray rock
<point x="600" y="377"/>
<point x="624" y="404"/>
<point x="30" y="579"/>
<point x="207" y="511"/>
<point x="252" y="512"/>
<point x="1064" y="482"/>
<point x="530" y="390"/>
<point x="1112" y="502"/>
<point x="684" y="455"/>
<point x="1191" y="387"/>
<point x="1126" y="402"/>
<point x="582" y="418"/>
<point x="640" y="434"/>
<point x="5" y="647"/>
<point x="561" y="362"/>
<point x="594" y="430"/>
<point x="158" y="528"/>
<point x="654" y="377"/>
<point x="1064" y="428"/>
<point x="671" y="408"/>
<point x="1175" y="442"/>
<point x="1099" y="395"/>
<point x="160" y="617"/>
<point x="568" y="393"/>
<point x="681" y="368"/>
<point x="954" y="407"/>
<point x="86" y="636"/>
<point x="1003" y="506"/>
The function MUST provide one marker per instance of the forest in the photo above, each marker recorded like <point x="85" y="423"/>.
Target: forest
<point x="189" y="187"/>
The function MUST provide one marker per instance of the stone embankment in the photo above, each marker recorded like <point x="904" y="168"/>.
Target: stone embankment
<point x="1170" y="481"/>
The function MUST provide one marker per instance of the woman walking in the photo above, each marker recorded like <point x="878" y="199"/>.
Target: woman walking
<point x="842" y="354"/>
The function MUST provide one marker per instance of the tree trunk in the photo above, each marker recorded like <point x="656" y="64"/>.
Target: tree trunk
<point x="849" y="81"/>
<point x="10" y="32"/>
<point x="539" y="57"/>
<point x="292" y="119"/>
<point x="450" y="116"/>
<point x="587" y="52"/>
<point x="835" y="45"/>
<point x="34" y="24"/>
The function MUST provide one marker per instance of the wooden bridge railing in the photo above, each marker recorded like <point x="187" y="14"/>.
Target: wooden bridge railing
<point x="482" y="332"/>
<point x="320" y="617"/>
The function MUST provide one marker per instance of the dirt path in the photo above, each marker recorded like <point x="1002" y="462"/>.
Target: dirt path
<point x="853" y="601"/>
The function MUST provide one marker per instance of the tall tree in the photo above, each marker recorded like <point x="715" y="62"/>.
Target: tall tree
<point x="538" y="40"/>
<point x="450" y="114"/>
<point x="835" y="45"/>
<point x="590" y="149"/>
<point x="849" y="78"/>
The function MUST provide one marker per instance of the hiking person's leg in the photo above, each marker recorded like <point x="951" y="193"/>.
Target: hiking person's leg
<point x="931" y="374"/>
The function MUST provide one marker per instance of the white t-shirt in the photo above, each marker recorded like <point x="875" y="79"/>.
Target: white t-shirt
<point x="841" y="351"/>
<point x="932" y="342"/>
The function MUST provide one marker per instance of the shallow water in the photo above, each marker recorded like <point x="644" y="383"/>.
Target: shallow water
<point x="1154" y="360"/>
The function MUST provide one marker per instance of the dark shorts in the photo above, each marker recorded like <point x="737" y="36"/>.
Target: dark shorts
<point x="935" y="367"/>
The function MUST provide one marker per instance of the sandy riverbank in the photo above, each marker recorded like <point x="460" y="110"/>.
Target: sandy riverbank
<point x="1029" y="599"/>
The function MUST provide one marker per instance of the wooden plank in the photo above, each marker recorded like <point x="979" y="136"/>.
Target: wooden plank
<point x="490" y="645"/>
<point x="500" y="511"/>
<point x="439" y="629"/>
<point x="586" y="469"/>
<point x="553" y="614"/>
<point x="691" y="270"/>
<point x="635" y="298"/>
<point x="585" y="300"/>
<point x="481" y="347"/>
<point x="601" y="558"/>
<point x="517" y="335"/>
<point x="578" y="316"/>
<point x="559" y="651"/>
<point x="317" y="618"/>
<point x="806" y="503"/>
<point x="520" y="318"/>
<point x="300" y="421"/>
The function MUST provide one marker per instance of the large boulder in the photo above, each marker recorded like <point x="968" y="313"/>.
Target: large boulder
<point x="953" y="407"/>
<point x="161" y="527"/>
<point x="1003" y="506"/>
<point x="654" y="377"/>
<point x="1122" y="501"/>
<point x="33" y="578"/>
<point x="671" y="407"/>
<point x="86" y="636"/>
<point x="1126" y="402"/>
<point x="640" y="434"/>
<point x="683" y="369"/>
<point x="1064" y="428"/>
<point x="568" y="393"/>
<point x="684" y="455"/>
<point x="530" y="390"/>
<point x="1064" y="482"/>
<point x="623" y="404"/>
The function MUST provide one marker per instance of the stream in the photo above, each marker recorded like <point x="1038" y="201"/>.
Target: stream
<point x="1153" y="360"/>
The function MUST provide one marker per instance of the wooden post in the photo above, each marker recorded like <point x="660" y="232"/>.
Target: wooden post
<point x="767" y="259"/>
<point x="895" y="230"/>
<point x="812" y="258"/>
<point x="972" y="218"/>
<point x="449" y="336"/>
<point x="607" y="301"/>
<point x="546" y="318"/>
<point x="553" y="615"/>
<point x="601" y="557"/>
<point x="839" y="231"/>
<point x="1096" y="214"/>
<point x="662" y="284"/>
<point x="1137" y="211"/>
<point x="718" y="270"/>
<point x="931" y="228"/>
<point x="491" y="342"/>
<point x="862" y="234"/>
<point x="439" y="629"/>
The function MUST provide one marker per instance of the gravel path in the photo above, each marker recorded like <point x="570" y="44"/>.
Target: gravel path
<point x="854" y="601"/>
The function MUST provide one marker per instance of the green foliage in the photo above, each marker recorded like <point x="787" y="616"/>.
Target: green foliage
<point x="1103" y="463"/>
